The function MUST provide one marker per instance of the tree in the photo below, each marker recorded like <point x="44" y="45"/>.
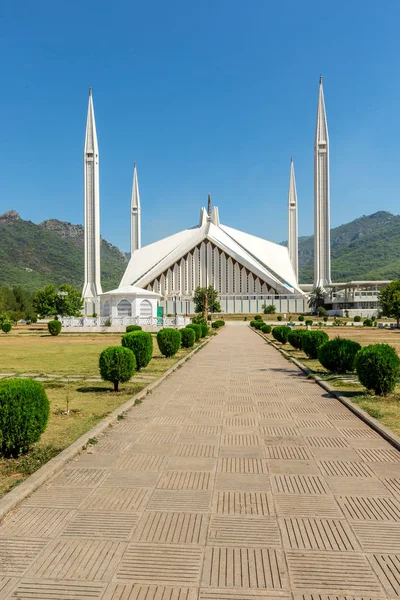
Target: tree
<point x="316" y="298"/>
<point x="389" y="300"/>
<point x="269" y="310"/>
<point x="206" y="300"/>
<point x="65" y="302"/>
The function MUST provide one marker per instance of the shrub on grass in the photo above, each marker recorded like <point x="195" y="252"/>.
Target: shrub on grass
<point x="294" y="338"/>
<point x="326" y="318"/>
<point x="204" y="330"/>
<point x="301" y="318"/>
<point x="378" y="368"/>
<point x="281" y="333"/>
<point x="258" y="325"/>
<point x="141" y="344"/>
<point x="130" y="328"/>
<point x="309" y="322"/>
<point x="279" y="317"/>
<point x="338" y="355"/>
<point x="196" y="328"/>
<point x="117" y="364"/>
<point x="368" y="323"/>
<point x="266" y="328"/>
<point x="188" y="337"/>
<point x="54" y="327"/>
<point x="312" y="341"/>
<point x="220" y="323"/>
<point x="357" y="319"/>
<point x="24" y="412"/>
<point x="6" y="326"/>
<point x="253" y="323"/>
<point x="169" y="341"/>
<point x="258" y="318"/>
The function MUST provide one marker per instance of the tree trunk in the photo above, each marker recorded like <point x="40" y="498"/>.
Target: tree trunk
<point x="116" y="386"/>
<point x="398" y="321"/>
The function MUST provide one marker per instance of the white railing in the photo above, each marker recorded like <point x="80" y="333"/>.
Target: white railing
<point x="176" y="322"/>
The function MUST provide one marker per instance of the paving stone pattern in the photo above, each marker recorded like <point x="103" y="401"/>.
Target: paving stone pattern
<point x="236" y="479"/>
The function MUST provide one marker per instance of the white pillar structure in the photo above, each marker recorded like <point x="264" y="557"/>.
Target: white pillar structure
<point x="92" y="286"/>
<point x="292" y="223"/>
<point x="135" y="214"/>
<point x="322" y="242"/>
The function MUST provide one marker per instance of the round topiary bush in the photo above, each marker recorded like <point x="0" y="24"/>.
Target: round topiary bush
<point x="258" y="318"/>
<point x="281" y="333"/>
<point x="253" y="323"/>
<point x="24" y="412"/>
<point x="219" y="323"/>
<point x="204" y="330"/>
<point x="6" y="326"/>
<point x="301" y="318"/>
<point x="378" y="368"/>
<point x="258" y="324"/>
<point x="169" y="341"/>
<point x="266" y="328"/>
<point x="309" y="322"/>
<point x="188" y="337"/>
<point x="141" y="344"/>
<point x="196" y="328"/>
<point x="312" y="341"/>
<point x="117" y="364"/>
<point x="130" y="328"/>
<point x="54" y="327"/>
<point x="294" y="338"/>
<point x="338" y="355"/>
<point x="357" y="319"/>
<point x="279" y="317"/>
<point x="326" y="318"/>
<point x="368" y="323"/>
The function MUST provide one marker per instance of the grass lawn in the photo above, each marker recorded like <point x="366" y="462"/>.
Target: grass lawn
<point x="88" y="401"/>
<point x="385" y="409"/>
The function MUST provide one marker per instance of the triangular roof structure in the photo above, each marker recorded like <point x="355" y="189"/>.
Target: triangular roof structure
<point x="267" y="260"/>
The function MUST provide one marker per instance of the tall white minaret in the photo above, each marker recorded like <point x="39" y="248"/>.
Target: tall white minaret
<point x="135" y="214"/>
<point x="292" y="221"/>
<point x="322" y="238"/>
<point x="92" y="285"/>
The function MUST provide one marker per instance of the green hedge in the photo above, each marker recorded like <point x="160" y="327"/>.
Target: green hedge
<point x="54" y="327"/>
<point x="6" y="326"/>
<point x="312" y="341"/>
<point x="204" y="330"/>
<point x="169" y="341"/>
<point x="130" y="328"/>
<point x="295" y="338"/>
<point x="266" y="328"/>
<point x="253" y="323"/>
<point x="117" y="364"/>
<point x="220" y="323"/>
<point x="281" y="333"/>
<point x="368" y="322"/>
<point x="188" y="337"/>
<point x="338" y="355"/>
<point x="141" y="344"/>
<point x="196" y="328"/>
<point x="24" y="413"/>
<point x="378" y="368"/>
<point x="258" y="318"/>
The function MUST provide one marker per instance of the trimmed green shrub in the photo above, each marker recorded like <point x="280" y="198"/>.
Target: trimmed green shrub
<point x="378" y="368"/>
<point x="367" y="323"/>
<point x="338" y="355"/>
<point x="326" y="318"/>
<point x="373" y="318"/>
<point x="196" y="328"/>
<point x="258" y="318"/>
<point x="188" y="337"/>
<point x="141" y="344"/>
<point x="169" y="341"/>
<point x="301" y="318"/>
<point x="309" y="322"/>
<point x="279" y="317"/>
<point x="253" y="323"/>
<point x="219" y="323"/>
<point x="357" y="319"/>
<point x="312" y="341"/>
<point x="294" y="338"/>
<point x="269" y="310"/>
<point x="281" y="333"/>
<point x="204" y="330"/>
<point x="117" y="364"/>
<point x="130" y="328"/>
<point x="6" y="326"/>
<point x="54" y="327"/>
<point x="258" y="325"/>
<point x="24" y="412"/>
<point x="266" y="328"/>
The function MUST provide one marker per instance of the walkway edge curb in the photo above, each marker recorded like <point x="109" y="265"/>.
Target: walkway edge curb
<point x="384" y="431"/>
<point x="29" y="485"/>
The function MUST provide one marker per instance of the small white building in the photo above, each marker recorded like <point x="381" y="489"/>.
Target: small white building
<point x="129" y="301"/>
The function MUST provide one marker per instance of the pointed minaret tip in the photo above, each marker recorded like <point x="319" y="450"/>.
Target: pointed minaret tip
<point x="90" y="90"/>
<point x="320" y="80"/>
<point x="209" y="205"/>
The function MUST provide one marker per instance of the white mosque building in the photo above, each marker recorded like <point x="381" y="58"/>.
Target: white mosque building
<point x="247" y="271"/>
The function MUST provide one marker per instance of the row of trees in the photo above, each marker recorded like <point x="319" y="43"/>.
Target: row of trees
<point x="17" y="303"/>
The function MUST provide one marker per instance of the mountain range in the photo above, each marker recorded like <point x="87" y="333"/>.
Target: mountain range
<point x="33" y="255"/>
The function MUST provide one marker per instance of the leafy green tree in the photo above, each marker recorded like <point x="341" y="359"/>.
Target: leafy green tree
<point x="389" y="300"/>
<point x="50" y="302"/>
<point x="44" y="301"/>
<point x="316" y="298"/>
<point x="206" y="300"/>
<point x="269" y="310"/>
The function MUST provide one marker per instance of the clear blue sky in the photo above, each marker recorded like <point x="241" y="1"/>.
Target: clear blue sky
<point x="212" y="96"/>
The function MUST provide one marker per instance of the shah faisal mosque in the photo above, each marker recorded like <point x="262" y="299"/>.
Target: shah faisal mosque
<point x="247" y="271"/>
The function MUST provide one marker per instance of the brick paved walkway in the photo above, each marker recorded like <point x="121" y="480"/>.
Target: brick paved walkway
<point x="236" y="479"/>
